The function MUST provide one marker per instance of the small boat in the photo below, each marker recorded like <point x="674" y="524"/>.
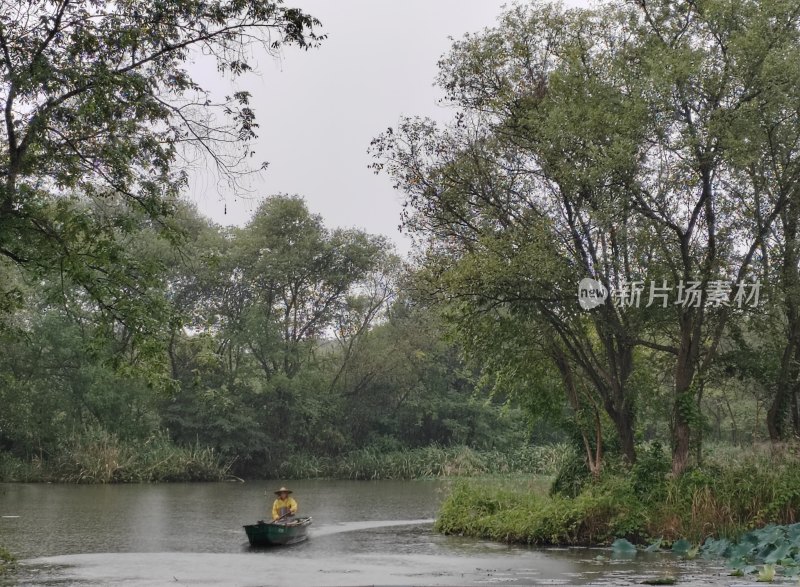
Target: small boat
<point x="278" y="533"/>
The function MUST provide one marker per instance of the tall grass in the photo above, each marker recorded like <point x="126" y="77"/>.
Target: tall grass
<point x="426" y="462"/>
<point x="97" y="456"/>
<point x="724" y="498"/>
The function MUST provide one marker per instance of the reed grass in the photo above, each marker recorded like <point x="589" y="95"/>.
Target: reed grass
<point x="426" y="462"/>
<point x="98" y="456"/>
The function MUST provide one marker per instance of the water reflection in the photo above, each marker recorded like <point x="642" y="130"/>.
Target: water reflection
<point x="69" y="519"/>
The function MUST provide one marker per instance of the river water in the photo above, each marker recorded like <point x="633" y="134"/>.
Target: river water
<point x="364" y="533"/>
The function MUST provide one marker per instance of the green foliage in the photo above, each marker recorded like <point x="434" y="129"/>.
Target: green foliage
<point x="99" y="111"/>
<point x="59" y="375"/>
<point x="768" y="551"/>
<point x="286" y="342"/>
<point x="426" y="462"/>
<point x="518" y="514"/>
<point x="571" y="476"/>
<point x="649" y="472"/>
<point x="97" y="456"/>
<point x="717" y="501"/>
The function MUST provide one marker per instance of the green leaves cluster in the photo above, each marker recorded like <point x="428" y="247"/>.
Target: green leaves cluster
<point x="99" y="115"/>
<point x="768" y="551"/>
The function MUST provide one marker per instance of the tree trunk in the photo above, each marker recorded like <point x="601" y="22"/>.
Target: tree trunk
<point x="794" y="387"/>
<point x="594" y="459"/>
<point x="681" y="438"/>
<point x="776" y="414"/>
<point x="697" y="443"/>
<point x="623" y="422"/>
<point x="795" y="415"/>
<point x="617" y="401"/>
<point x="684" y="405"/>
<point x="734" y="427"/>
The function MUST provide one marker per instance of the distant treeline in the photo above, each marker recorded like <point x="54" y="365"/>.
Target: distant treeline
<point x="257" y="349"/>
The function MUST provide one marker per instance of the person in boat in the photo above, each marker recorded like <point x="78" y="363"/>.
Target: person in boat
<point x="284" y="506"/>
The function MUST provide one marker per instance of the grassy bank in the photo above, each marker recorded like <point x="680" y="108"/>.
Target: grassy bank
<point x="427" y="462"/>
<point x="101" y="457"/>
<point x="721" y="499"/>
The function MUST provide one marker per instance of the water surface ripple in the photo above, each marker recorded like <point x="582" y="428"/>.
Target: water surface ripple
<point x="364" y="533"/>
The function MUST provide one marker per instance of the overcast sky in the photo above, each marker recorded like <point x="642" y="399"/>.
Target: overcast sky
<point x="318" y="110"/>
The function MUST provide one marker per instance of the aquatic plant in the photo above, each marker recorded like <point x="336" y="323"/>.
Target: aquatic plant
<point x="7" y="561"/>
<point x="681" y="546"/>
<point x="768" y="551"/>
<point x="767" y="574"/>
<point x="622" y="546"/>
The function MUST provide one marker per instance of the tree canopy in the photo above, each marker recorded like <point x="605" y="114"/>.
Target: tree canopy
<point x="98" y="103"/>
<point x="640" y="144"/>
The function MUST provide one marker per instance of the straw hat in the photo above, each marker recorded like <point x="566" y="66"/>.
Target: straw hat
<point x="283" y="490"/>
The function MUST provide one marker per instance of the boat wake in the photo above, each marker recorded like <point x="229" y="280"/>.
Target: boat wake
<point x="370" y="525"/>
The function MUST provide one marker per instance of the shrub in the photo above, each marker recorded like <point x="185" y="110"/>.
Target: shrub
<point x="650" y="471"/>
<point x="572" y="475"/>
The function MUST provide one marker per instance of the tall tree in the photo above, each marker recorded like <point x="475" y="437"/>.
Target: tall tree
<point x="526" y="194"/>
<point x="294" y="277"/>
<point x="96" y="100"/>
<point x="642" y="143"/>
<point x="723" y="163"/>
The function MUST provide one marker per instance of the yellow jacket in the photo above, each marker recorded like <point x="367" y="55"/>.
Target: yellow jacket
<point x="282" y="506"/>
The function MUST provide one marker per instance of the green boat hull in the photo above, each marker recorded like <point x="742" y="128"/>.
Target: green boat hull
<point x="278" y="534"/>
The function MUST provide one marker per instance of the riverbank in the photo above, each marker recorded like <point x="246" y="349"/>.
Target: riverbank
<point x="102" y="458"/>
<point x="720" y="499"/>
<point x="105" y="459"/>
